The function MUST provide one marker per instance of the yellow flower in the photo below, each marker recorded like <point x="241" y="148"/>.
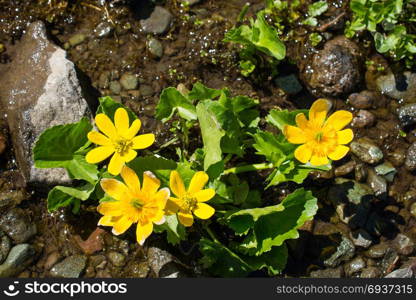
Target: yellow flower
<point x="118" y="138"/>
<point x="133" y="204"/>
<point x="192" y="200"/>
<point x="320" y="137"/>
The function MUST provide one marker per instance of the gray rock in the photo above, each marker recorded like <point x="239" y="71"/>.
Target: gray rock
<point x="362" y="100"/>
<point x="401" y="86"/>
<point x="117" y="259"/>
<point x="345" y="251"/>
<point x="115" y="87"/>
<point x="20" y="257"/>
<point x="76" y="39"/>
<point x="377" y="183"/>
<point x="370" y="272"/>
<point x="289" y="83"/>
<point x="158" y="22"/>
<point x="155" y="47"/>
<point x="364" y="118"/>
<point x="361" y="238"/>
<point x="387" y="170"/>
<point x="328" y="273"/>
<point x="410" y="161"/>
<point x="345" y="169"/>
<point x="163" y="264"/>
<point x="39" y="89"/>
<point x="129" y="81"/>
<point x="401" y="273"/>
<point x="17" y="225"/>
<point x="354" y="266"/>
<point x="11" y="198"/>
<point x="360" y="172"/>
<point x="146" y="90"/>
<point x="407" y="114"/>
<point x="70" y="267"/>
<point x="104" y="80"/>
<point x="366" y="150"/>
<point x="403" y="244"/>
<point x="389" y="261"/>
<point x="5" y="246"/>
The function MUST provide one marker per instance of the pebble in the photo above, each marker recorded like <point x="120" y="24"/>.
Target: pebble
<point x="3" y="143"/>
<point x="19" y="257"/>
<point x="403" y="244"/>
<point x="146" y="90"/>
<point x="360" y="172"/>
<point x="354" y="266"/>
<point x="370" y="272"/>
<point x="345" y="169"/>
<point x="387" y="170"/>
<point x="377" y="251"/>
<point x="328" y="273"/>
<point x="389" y="262"/>
<point x="401" y="273"/>
<point x="103" y="29"/>
<point x="377" y="183"/>
<point x="115" y="87"/>
<point x="158" y="22"/>
<point x="70" y="267"/>
<point x="397" y="157"/>
<point x="137" y="270"/>
<point x="155" y="47"/>
<point x="364" y="118"/>
<point x="345" y="251"/>
<point x="289" y="83"/>
<point x="93" y="243"/>
<point x="362" y="100"/>
<point x="17" y="225"/>
<point x="399" y="86"/>
<point x="104" y="80"/>
<point x="162" y="263"/>
<point x="5" y="246"/>
<point x="410" y="162"/>
<point x="129" y="81"/>
<point x="361" y="238"/>
<point x="116" y="258"/>
<point x="76" y="39"/>
<point x="407" y="114"/>
<point x="366" y="150"/>
<point x="51" y="260"/>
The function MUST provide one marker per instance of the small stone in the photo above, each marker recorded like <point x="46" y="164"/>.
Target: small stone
<point x="354" y="266"/>
<point x="401" y="273"/>
<point x="345" y="251"/>
<point x="155" y="47"/>
<point x="51" y="260"/>
<point x="328" y="273"/>
<point x="386" y="170"/>
<point x="137" y="270"/>
<point x="407" y="114"/>
<point x="377" y="251"/>
<point x="5" y="246"/>
<point x="389" y="262"/>
<point x="129" y="81"/>
<point x="17" y="225"/>
<point x="403" y="244"/>
<point x="363" y="100"/>
<point x="397" y="86"/>
<point x="76" y="39"/>
<point x="146" y="90"/>
<point x="117" y="259"/>
<point x="360" y="172"/>
<point x="163" y="264"/>
<point x="11" y="198"/>
<point x="397" y="157"/>
<point x="104" y="80"/>
<point x="158" y="22"/>
<point x="17" y="260"/>
<point x="70" y="267"/>
<point x="364" y="118"/>
<point x="345" y="169"/>
<point x="377" y="183"/>
<point x="361" y="238"/>
<point x="115" y="87"/>
<point x="103" y="29"/>
<point x="93" y="243"/>
<point x="370" y="272"/>
<point x="289" y="83"/>
<point x="366" y="150"/>
<point x="410" y="162"/>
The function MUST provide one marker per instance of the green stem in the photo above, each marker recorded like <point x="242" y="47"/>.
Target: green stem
<point x="248" y="168"/>
<point x="211" y="234"/>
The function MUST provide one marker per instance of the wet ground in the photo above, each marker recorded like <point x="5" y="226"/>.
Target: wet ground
<point x="368" y="232"/>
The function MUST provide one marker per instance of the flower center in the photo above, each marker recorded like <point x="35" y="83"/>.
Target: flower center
<point x="122" y="146"/>
<point x="189" y="202"/>
<point x="137" y="203"/>
<point x="319" y="136"/>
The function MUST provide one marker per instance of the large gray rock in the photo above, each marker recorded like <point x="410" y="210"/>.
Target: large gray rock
<point x="39" y="89"/>
<point x="19" y="258"/>
<point x="70" y="267"/>
<point x="17" y="225"/>
<point x="399" y="86"/>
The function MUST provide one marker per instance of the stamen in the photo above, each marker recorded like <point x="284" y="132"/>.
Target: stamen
<point x="137" y="203"/>
<point x="319" y="136"/>
<point x="190" y="202"/>
<point x="122" y="146"/>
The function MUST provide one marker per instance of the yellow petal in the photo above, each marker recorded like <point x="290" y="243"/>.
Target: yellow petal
<point x="204" y="195"/>
<point x="301" y="121"/>
<point x="303" y="153"/>
<point x="98" y="138"/>
<point x="162" y="197"/>
<point x="129" y="156"/>
<point x="143" y="231"/>
<point x="131" y="179"/>
<point x="345" y="136"/>
<point x="133" y="130"/>
<point x="114" y="188"/>
<point x="204" y="211"/>
<point x="110" y="208"/>
<point x="106" y="221"/>
<point x="198" y="181"/>
<point x="98" y="154"/>
<point x="294" y="135"/>
<point x="176" y="184"/>
<point x="318" y="112"/>
<point x="121" y="120"/>
<point x="317" y="160"/>
<point x="173" y="205"/>
<point x="339" y="119"/>
<point x="121" y="225"/>
<point x="105" y="125"/>
<point x="150" y="183"/>
<point x="186" y="219"/>
<point x="159" y="219"/>
<point x="339" y="152"/>
<point x="143" y="141"/>
<point x="115" y="165"/>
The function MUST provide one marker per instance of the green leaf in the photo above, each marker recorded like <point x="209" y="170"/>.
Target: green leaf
<point x="175" y="231"/>
<point x="201" y="92"/>
<point x="61" y="196"/>
<point x="317" y="8"/>
<point x="171" y="101"/>
<point x="57" y="147"/>
<point x="159" y="166"/>
<point x="281" y="118"/>
<point x="108" y="106"/>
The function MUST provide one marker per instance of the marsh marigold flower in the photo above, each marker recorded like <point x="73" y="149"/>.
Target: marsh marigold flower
<point x="321" y="138"/>
<point x="191" y="201"/>
<point x="133" y="203"/>
<point x="119" y="139"/>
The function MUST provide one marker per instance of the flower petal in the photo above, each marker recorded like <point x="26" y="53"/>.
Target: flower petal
<point x="186" y="219"/>
<point x="204" y="195"/>
<point x="105" y="125"/>
<point x="133" y="130"/>
<point x="98" y="154"/>
<point x="107" y="220"/>
<point x="143" y="141"/>
<point x="176" y="184"/>
<point x="150" y="183"/>
<point x="131" y="179"/>
<point x="129" y="156"/>
<point x="303" y="153"/>
<point x="318" y="112"/>
<point x="121" y="120"/>
<point x="143" y="231"/>
<point x="114" y="188"/>
<point x="345" y="136"/>
<point x="121" y="225"/>
<point x="301" y="121"/>
<point x="204" y="211"/>
<point x="294" y="135"/>
<point x="110" y="208"/>
<point x="198" y="181"/>
<point x="98" y="138"/>
<point x="115" y="165"/>
<point x="339" y="119"/>
<point x="339" y="152"/>
<point x="173" y="205"/>
<point x="317" y="160"/>
<point x="162" y="197"/>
